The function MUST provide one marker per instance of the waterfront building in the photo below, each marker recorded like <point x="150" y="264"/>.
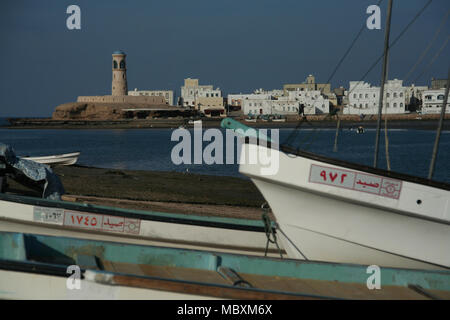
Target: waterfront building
<point x="167" y="94"/>
<point x="295" y="102"/>
<point x="117" y="105"/>
<point x="119" y="87"/>
<point x="235" y="100"/>
<point x="210" y="106"/>
<point x="363" y="98"/>
<point x="433" y="100"/>
<point x="438" y="83"/>
<point x="192" y="90"/>
<point x="339" y="93"/>
<point x="204" y="98"/>
<point x="414" y="97"/>
<point x="119" y="80"/>
<point x="308" y="84"/>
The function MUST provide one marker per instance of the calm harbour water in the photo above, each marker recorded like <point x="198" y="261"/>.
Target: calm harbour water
<point x="150" y="149"/>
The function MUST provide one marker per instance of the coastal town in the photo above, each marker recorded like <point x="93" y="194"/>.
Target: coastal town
<point x="288" y="103"/>
<point x="220" y="150"/>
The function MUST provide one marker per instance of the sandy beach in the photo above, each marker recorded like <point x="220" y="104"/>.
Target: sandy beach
<point x="171" y="192"/>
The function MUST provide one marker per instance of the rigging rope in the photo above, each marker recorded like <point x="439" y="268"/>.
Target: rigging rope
<point x="393" y="42"/>
<point x="434" y="59"/>
<point x="363" y="27"/>
<point x="428" y="47"/>
<point x="419" y="13"/>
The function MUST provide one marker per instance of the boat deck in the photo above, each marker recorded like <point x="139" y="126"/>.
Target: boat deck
<point x="284" y="285"/>
<point x="210" y="274"/>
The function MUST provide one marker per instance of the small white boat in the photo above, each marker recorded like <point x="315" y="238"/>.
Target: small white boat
<point x="61" y="218"/>
<point x="66" y="159"/>
<point x="250" y="120"/>
<point x="279" y="120"/>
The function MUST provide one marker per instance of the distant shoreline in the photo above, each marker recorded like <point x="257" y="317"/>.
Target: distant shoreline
<point x="426" y="122"/>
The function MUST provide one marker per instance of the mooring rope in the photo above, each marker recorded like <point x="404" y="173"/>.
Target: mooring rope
<point x="270" y="234"/>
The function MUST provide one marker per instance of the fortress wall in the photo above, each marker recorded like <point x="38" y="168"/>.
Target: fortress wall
<point x="123" y="99"/>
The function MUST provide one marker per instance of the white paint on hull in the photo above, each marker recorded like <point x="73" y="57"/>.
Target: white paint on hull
<point x="31" y="286"/>
<point x="19" y="217"/>
<point x="339" y="225"/>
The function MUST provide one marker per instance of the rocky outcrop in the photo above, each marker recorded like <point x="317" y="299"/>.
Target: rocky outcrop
<point x="99" y="111"/>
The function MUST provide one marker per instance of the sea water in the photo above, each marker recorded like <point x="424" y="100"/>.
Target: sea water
<point x="150" y="149"/>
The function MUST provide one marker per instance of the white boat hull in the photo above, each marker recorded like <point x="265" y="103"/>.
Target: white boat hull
<point x="325" y="221"/>
<point x="62" y="159"/>
<point x="31" y="286"/>
<point x="26" y="218"/>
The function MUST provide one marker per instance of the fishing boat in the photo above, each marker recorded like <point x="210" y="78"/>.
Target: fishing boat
<point x="63" y="218"/>
<point x="333" y="210"/>
<point x="66" y="159"/>
<point x="45" y="267"/>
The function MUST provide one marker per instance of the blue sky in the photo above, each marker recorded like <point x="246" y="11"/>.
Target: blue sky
<point x="235" y="45"/>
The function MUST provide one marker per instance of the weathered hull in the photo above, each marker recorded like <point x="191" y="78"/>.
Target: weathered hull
<point x="31" y="286"/>
<point x="42" y="267"/>
<point x="360" y="218"/>
<point x="63" y="159"/>
<point x="172" y="230"/>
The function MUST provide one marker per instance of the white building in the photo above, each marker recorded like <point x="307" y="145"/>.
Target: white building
<point x="191" y="91"/>
<point x="433" y="100"/>
<point x="364" y="99"/>
<point x="258" y="94"/>
<point x="312" y="102"/>
<point x="167" y="94"/>
<point x="416" y="91"/>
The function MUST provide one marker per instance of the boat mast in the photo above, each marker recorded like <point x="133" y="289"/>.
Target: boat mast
<point x="439" y="129"/>
<point x="383" y="80"/>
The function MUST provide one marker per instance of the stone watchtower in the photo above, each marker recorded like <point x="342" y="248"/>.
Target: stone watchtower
<point x="119" y="81"/>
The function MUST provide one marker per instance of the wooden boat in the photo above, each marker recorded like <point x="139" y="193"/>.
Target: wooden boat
<point x="44" y="267"/>
<point x="62" y="218"/>
<point x="66" y="159"/>
<point x="332" y="210"/>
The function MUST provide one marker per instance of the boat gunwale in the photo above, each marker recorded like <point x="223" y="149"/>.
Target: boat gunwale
<point x="299" y="269"/>
<point x="60" y="270"/>
<point x="351" y="165"/>
<point x="360" y="167"/>
<point x="179" y="218"/>
<point x="347" y="199"/>
<point x="53" y="157"/>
